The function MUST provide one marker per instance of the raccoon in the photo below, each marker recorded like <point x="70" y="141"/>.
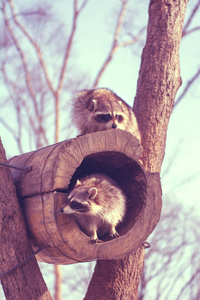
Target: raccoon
<point x="98" y="205"/>
<point x="101" y="109"/>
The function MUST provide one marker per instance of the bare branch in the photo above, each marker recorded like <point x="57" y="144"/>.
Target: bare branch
<point x="134" y="39"/>
<point x="189" y="84"/>
<point x="19" y="103"/>
<point x="64" y="66"/>
<point x="35" y="46"/>
<point x="68" y="48"/>
<point x="114" y="44"/>
<point x="190" y="31"/>
<point x="13" y="133"/>
<point x="19" y="49"/>
<point x="26" y="71"/>
<point x="188" y="283"/>
<point x="83" y="5"/>
<point x="194" y="11"/>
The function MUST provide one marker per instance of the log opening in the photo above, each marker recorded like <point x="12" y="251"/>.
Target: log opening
<point x="127" y="173"/>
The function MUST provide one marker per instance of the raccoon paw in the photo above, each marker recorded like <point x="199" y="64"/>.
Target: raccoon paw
<point x="94" y="236"/>
<point x="114" y="234"/>
<point x="95" y="240"/>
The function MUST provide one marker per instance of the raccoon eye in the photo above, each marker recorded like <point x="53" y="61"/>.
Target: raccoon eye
<point x="76" y="205"/>
<point x="103" y="118"/>
<point x="119" y="118"/>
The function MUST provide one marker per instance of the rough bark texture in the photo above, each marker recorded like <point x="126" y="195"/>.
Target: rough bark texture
<point x="159" y="78"/>
<point x="25" y="282"/>
<point x="158" y="82"/>
<point x="117" y="279"/>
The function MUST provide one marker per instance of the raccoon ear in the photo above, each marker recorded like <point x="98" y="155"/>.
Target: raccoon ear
<point x="92" y="193"/>
<point x="78" y="182"/>
<point x="120" y="102"/>
<point x="92" y="105"/>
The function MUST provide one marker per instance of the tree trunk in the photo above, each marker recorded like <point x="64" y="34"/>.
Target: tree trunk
<point x="159" y="80"/>
<point x="25" y="282"/>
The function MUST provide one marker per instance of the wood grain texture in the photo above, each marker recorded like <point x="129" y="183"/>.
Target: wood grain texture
<point x="55" y="169"/>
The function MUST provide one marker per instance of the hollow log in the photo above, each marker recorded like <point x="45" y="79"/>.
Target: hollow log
<point x="55" y="169"/>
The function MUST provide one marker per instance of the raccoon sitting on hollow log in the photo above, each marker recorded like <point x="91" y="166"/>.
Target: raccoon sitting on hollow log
<point x="101" y="109"/>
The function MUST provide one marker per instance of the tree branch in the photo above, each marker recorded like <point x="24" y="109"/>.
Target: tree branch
<point x="34" y="44"/>
<point x="19" y="103"/>
<point x="114" y="43"/>
<point x="22" y="56"/>
<point x="188" y="86"/>
<point x="194" y="11"/>
<point x="25" y="68"/>
<point x="64" y="66"/>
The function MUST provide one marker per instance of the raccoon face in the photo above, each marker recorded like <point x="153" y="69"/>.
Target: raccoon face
<point x="80" y="201"/>
<point x="107" y="115"/>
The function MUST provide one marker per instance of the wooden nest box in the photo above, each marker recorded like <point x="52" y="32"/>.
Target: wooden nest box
<point x="44" y="188"/>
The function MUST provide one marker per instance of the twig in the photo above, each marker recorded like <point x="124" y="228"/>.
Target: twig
<point x="64" y="67"/>
<point x="114" y="44"/>
<point x="27" y="76"/>
<point x="190" y="31"/>
<point x="190" y="82"/>
<point x="190" y="18"/>
<point x="35" y="46"/>
<point x="25" y="65"/>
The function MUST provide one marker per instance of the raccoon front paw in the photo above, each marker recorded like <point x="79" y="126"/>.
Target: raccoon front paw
<point x="114" y="234"/>
<point x="95" y="240"/>
<point x="94" y="237"/>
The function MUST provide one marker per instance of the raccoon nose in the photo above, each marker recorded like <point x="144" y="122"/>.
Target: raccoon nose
<point x="114" y="125"/>
<point x="61" y="210"/>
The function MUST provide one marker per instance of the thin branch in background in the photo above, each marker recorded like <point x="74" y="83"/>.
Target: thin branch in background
<point x="62" y="73"/>
<point x="189" y="84"/>
<point x="134" y="39"/>
<point x="194" y="11"/>
<point x="13" y="133"/>
<point x="58" y="282"/>
<point x="191" y="30"/>
<point x="34" y="44"/>
<point x="68" y="48"/>
<point x="19" y="122"/>
<point x="64" y="64"/>
<point x="25" y="66"/>
<point x="114" y="44"/>
<point x="178" y="228"/>
<point x="19" y="49"/>
<point x="187" y="179"/>
<point x="17" y="99"/>
<point x="17" y="106"/>
<point x="83" y="5"/>
<point x="172" y="157"/>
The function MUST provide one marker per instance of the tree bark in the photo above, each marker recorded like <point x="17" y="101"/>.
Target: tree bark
<point x="25" y="282"/>
<point x="159" y="80"/>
